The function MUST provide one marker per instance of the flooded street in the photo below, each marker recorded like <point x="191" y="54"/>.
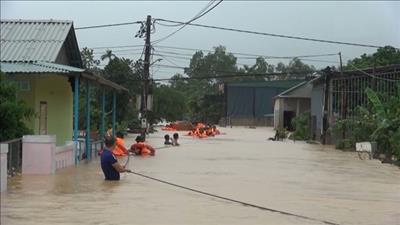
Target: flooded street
<point x="309" y="180"/>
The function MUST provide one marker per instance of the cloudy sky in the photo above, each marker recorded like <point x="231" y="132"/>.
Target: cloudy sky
<point x="374" y="23"/>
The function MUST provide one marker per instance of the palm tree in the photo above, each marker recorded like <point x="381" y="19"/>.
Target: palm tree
<point x="108" y="55"/>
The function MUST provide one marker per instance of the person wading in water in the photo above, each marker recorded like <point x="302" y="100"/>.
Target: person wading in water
<point x="109" y="164"/>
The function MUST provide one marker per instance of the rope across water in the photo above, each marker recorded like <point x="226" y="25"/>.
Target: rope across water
<point x="236" y="201"/>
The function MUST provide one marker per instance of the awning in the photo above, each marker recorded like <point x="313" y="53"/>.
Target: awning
<point x="34" y="68"/>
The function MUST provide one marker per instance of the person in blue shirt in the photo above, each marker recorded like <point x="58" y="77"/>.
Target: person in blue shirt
<point x="109" y="164"/>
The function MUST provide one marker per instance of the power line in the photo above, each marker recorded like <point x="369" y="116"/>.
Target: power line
<point x="271" y="34"/>
<point x="122" y="50"/>
<point x="178" y="56"/>
<point x="249" y="54"/>
<point x="373" y="76"/>
<point x="165" y="58"/>
<point x="118" y="46"/>
<point x="107" y="25"/>
<point x="208" y="50"/>
<point x="231" y="72"/>
<point x="252" y="75"/>
<point x="202" y="13"/>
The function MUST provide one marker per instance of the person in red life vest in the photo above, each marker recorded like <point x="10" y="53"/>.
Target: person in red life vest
<point x="202" y="133"/>
<point x="141" y="148"/>
<point x="120" y="149"/>
<point x="215" y="130"/>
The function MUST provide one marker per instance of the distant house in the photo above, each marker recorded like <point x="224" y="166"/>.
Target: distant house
<point x="251" y="103"/>
<point x="291" y="103"/>
<point x="43" y="57"/>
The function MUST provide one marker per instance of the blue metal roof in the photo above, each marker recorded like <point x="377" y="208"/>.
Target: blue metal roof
<point x="37" y="67"/>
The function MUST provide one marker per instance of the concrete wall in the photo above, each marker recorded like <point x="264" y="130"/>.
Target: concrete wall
<point x="64" y="156"/>
<point x="248" y="121"/>
<point x="3" y="167"/>
<point x="41" y="156"/>
<point x="38" y="153"/>
<point x="278" y="119"/>
<point x="57" y="92"/>
<point x="317" y="101"/>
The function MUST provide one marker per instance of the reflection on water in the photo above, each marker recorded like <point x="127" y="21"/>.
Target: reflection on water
<point x="309" y="180"/>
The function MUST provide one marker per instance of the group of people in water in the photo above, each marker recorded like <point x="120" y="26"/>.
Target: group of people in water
<point x="171" y="141"/>
<point x="202" y="131"/>
<point x="138" y="148"/>
<point x="115" y="147"/>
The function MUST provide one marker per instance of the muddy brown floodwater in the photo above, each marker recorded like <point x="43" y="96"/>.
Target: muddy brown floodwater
<point x="309" y="180"/>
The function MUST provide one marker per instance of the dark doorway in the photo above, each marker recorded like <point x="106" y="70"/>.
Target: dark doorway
<point x="287" y="119"/>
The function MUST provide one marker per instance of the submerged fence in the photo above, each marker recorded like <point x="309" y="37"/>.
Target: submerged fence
<point x="14" y="156"/>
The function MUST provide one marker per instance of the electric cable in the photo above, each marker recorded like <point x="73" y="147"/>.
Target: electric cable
<point x="271" y="34"/>
<point x="186" y="23"/>
<point x="107" y="25"/>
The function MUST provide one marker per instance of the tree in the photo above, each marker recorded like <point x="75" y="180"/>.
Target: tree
<point x="90" y="64"/>
<point x="120" y="71"/>
<point x="88" y="61"/>
<point x="383" y="56"/>
<point x="108" y="55"/>
<point x="201" y="96"/>
<point x="296" y="69"/>
<point x="13" y="112"/>
<point x="169" y="103"/>
<point x="260" y="67"/>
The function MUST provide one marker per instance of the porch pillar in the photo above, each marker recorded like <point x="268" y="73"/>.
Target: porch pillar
<point x="3" y="167"/>
<point x="76" y="118"/>
<point x="114" y="112"/>
<point x="87" y="140"/>
<point x="103" y="111"/>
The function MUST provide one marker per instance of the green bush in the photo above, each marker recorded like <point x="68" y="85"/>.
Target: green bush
<point x="13" y="112"/>
<point x="301" y="126"/>
<point x="282" y="133"/>
<point x="379" y="122"/>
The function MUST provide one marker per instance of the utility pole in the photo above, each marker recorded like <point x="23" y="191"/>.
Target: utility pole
<point x="325" y="118"/>
<point x="146" y="75"/>
<point x="341" y="64"/>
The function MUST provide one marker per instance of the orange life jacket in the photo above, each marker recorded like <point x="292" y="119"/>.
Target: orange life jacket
<point x="120" y="149"/>
<point x="142" y="148"/>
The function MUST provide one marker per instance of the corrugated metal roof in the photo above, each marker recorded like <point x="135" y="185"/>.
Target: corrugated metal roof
<point x="37" y="67"/>
<point x="32" y="40"/>
<point x="272" y="83"/>
<point x="45" y="67"/>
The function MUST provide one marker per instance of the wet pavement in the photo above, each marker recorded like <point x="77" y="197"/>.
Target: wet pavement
<point x="309" y="180"/>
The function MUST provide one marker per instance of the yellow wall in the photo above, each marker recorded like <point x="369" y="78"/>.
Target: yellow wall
<point x="57" y="92"/>
<point x="28" y="97"/>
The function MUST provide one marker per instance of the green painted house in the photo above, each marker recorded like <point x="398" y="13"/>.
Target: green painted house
<point x="43" y="57"/>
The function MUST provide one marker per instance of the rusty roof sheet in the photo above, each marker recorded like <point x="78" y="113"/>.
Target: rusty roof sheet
<point x="32" y="40"/>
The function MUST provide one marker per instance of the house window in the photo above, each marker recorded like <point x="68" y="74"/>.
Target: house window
<point x="24" y="85"/>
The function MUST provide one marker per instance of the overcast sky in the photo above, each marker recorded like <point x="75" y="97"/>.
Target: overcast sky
<point x="375" y="23"/>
